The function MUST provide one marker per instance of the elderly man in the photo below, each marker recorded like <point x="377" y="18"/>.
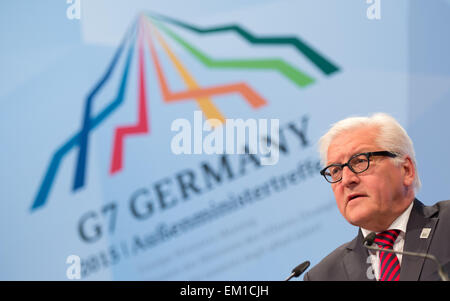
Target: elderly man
<point x="371" y="166"/>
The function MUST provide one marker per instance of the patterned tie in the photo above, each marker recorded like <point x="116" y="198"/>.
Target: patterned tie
<point x="389" y="265"/>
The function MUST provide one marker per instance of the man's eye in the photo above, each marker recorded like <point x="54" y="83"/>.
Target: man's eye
<point x="359" y="160"/>
<point x="334" y="170"/>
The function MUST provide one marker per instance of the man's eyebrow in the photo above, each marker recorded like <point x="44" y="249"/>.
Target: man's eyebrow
<point x="361" y="151"/>
<point x="333" y="163"/>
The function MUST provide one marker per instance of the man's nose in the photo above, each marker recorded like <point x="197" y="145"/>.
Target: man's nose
<point x="349" y="177"/>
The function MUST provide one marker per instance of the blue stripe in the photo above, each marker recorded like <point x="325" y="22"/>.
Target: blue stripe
<point x="80" y="172"/>
<point x="74" y="141"/>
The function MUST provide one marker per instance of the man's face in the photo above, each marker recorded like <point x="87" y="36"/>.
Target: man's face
<point x="375" y="197"/>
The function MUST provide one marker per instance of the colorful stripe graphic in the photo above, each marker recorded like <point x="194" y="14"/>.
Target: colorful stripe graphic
<point x="249" y="94"/>
<point x="80" y="172"/>
<point x="76" y="139"/>
<point x="142" y="126"/>
<point x="205" y="103"/>
<point x="202" y="95"/>
<point x="325" y="65"/>
<point x="296" y="76"/>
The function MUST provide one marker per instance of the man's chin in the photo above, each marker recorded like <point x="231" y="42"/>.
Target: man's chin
<point x="358" y="218"/>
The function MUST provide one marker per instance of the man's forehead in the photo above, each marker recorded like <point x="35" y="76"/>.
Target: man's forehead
<point x="349" y="143"/>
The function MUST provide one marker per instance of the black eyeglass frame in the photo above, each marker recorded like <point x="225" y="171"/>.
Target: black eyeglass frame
<point x="368" y="155"/>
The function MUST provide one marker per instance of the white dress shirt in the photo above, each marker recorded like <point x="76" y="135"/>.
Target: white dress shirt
<point x="399" y="224"/>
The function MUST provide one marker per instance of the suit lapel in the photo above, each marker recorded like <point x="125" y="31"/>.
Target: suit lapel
<point x="419" y="219"/>
<point x="356" y="262"/>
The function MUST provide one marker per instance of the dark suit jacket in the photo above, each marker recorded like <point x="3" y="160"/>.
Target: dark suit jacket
<point x="350" y="261"/>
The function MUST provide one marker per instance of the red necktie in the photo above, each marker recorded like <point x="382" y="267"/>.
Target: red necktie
<point x="389" y="265"/>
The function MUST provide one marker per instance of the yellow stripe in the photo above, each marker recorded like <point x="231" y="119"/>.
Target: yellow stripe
<point x="205" y="103"/>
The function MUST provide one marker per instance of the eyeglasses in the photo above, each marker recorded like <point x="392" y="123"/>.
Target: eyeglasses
<point x="357" y="163"/>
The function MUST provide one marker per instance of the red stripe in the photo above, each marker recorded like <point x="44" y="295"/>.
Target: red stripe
<point x="394" y="260"/>
<point x="141" y="127"/>
<point x="389" y="239"/>
<point x="384" y="241"/>
<point x="394" y="232"/>
<point x="387" y="235"/>
<point x="385" y="259"/>
<point x="394" y="271"/>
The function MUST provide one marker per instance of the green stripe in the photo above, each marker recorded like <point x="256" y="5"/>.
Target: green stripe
<point x="295" y="75"/>
<point x="314" y="56"/>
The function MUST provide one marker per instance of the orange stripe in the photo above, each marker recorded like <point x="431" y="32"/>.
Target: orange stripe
<point x="252" y="97"/>
<point x="205" y="103"/>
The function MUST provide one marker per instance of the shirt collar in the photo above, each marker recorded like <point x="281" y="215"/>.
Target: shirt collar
<point x="399" y="223"/>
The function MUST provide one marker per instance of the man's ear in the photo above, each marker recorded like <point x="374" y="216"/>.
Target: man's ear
<point x="408" y="171"/>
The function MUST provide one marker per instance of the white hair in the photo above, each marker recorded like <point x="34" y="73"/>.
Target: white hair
<point x="391" y="137"/>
